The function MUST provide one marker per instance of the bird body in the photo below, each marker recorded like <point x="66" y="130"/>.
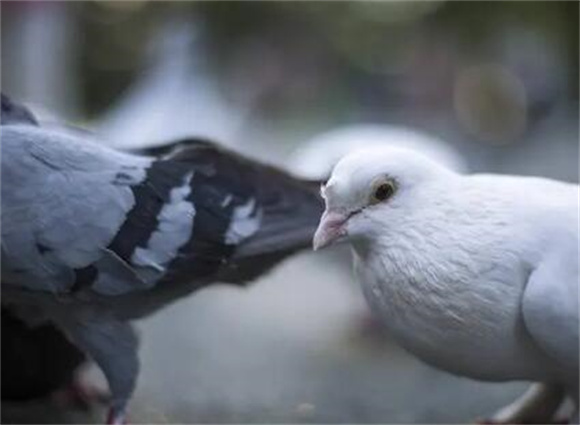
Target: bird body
<point x="93" y="237"/>
<point x="450" y="276"/>
<point x="36" y="361"/>
<point x="476" y="275"/>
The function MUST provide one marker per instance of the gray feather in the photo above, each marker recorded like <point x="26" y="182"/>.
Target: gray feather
<point x="62" y="194"/>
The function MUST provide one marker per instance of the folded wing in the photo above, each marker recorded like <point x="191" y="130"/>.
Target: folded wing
<point x="81" y="217"/>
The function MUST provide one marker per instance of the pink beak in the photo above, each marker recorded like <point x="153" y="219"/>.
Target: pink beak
<point x="331" y="227"/>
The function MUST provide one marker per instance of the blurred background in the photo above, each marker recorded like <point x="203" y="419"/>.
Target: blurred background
<point x="490" y="86"/>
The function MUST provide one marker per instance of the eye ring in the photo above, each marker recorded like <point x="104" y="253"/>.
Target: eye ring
<point x="383" y="191"/>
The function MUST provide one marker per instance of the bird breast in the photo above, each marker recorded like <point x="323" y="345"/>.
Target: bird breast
<point x="456" y="307"/>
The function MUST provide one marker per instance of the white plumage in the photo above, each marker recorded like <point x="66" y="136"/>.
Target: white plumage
<point x="477" y="275"/>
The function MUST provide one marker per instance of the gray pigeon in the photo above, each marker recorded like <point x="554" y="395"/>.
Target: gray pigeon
<point x="93" y="238"/>
<point x="474" y="274"/>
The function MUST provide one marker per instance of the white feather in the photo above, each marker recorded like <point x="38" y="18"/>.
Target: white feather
<point x="174" y="229"/>
<point x="244" y="223"/>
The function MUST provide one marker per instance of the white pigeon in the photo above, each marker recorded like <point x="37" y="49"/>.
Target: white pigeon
<point x="316" y="157"/>
<point x="474" y="274"/>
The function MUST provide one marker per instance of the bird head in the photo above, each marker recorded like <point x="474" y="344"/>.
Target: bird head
<point x="366" y="187"/>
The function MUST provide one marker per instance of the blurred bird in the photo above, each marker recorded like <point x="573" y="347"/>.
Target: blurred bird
<point x="92" y="237"/>
<point x="174" y="97"/>
<point x="317" y="156"/>
<point x="476" y="275"/>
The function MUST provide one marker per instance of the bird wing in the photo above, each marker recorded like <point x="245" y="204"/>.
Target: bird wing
<point x="249" y="216"/>
<point x="80" y="216"/>
<point x="550" y="307"/>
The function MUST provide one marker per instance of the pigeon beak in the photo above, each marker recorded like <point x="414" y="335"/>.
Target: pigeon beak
<point x="331" y="227"/>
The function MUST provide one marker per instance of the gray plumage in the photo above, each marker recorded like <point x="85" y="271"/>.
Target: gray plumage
<point x="69" y="206"/>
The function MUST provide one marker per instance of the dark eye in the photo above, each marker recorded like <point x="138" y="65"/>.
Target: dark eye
<point x="383" y="191"/>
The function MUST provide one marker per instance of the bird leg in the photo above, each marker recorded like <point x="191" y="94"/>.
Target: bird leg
<point x="536" y="406"/>
<point x="112" y="344"/>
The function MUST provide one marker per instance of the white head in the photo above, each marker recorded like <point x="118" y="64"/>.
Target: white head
<point x="365" y="185"/>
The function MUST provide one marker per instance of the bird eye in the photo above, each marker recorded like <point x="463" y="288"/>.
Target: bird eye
<point x="383" y="191"/>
